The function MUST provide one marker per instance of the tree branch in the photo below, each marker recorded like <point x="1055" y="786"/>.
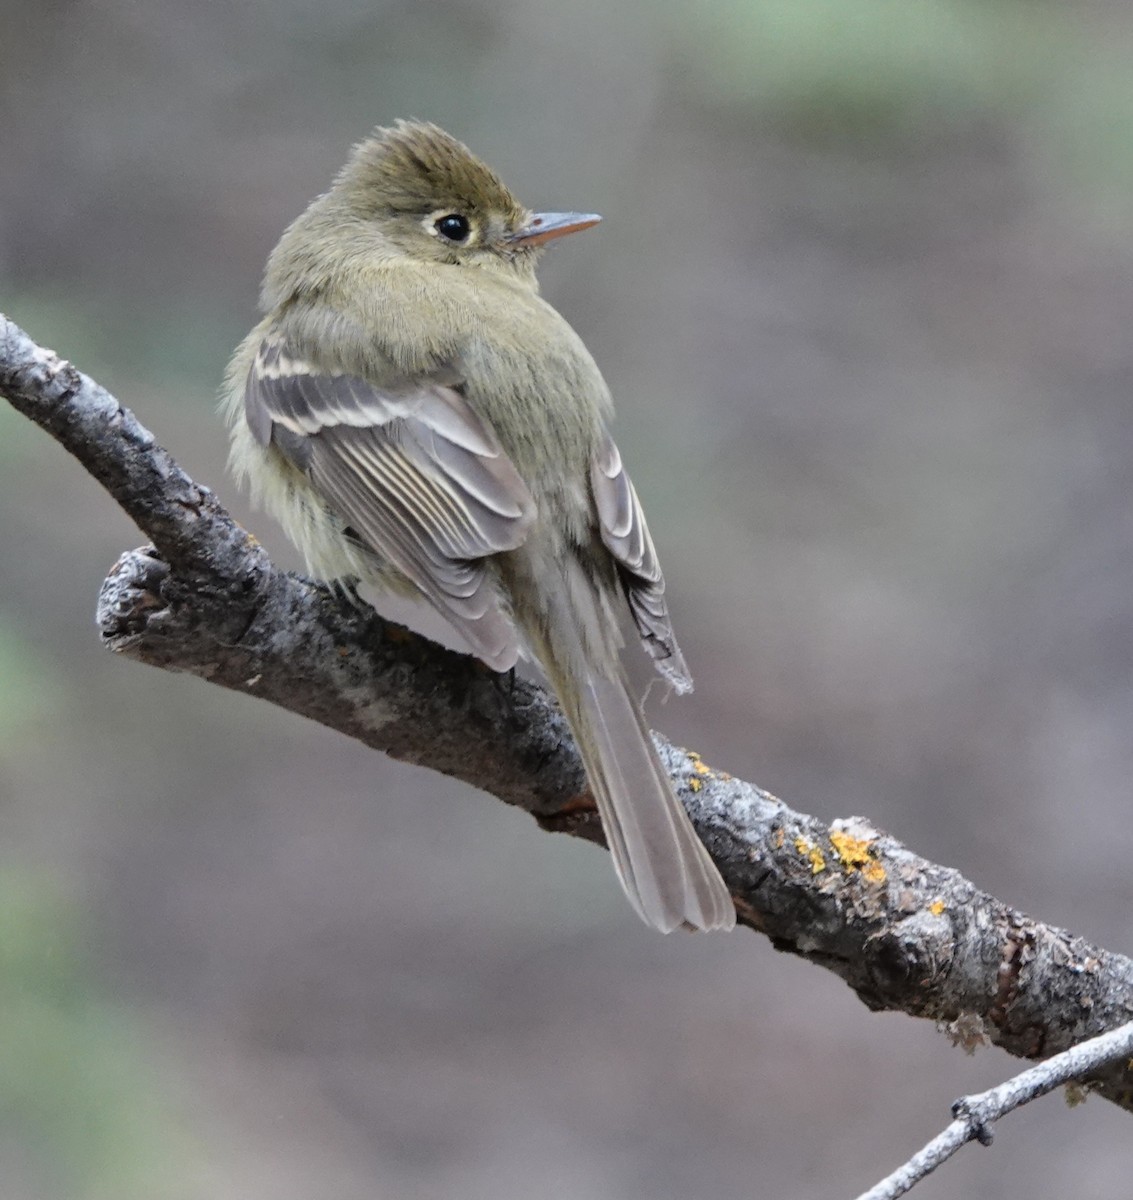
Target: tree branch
<point x="974" y="1115"/>
<point x="904" y="933"/>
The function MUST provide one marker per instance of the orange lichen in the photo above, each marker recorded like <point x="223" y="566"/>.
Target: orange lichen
<point x="936" y="907"/>
<point x="874" y="872"/>
<point x="694" y="784"/>
<point x="813" y="854"/>
<point x="852" y="851"/>
<point x="856" y="854"/>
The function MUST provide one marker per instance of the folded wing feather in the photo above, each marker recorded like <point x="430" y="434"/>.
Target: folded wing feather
<point x="413" y="470"/>
<point x="626" y="535"/>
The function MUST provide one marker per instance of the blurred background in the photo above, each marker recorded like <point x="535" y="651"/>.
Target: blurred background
<point x="863" y="293"/>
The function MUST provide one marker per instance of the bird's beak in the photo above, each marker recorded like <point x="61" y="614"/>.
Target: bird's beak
<point x="542" y="227"/>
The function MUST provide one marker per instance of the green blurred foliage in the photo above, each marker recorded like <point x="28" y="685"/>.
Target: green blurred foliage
<point x="836" y="73"/>
<point x="74" y="1085"/>
<point x="29" y="694"/>
<point x="177" y="344"/>
<point x="832" y="69"/>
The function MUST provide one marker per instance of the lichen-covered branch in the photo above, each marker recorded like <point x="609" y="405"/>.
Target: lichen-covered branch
<point x="973" y="1116"/>
<point x="204" y="599"/>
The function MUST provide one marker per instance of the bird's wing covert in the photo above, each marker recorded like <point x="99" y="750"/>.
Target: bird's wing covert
<point x="412" y="470"/>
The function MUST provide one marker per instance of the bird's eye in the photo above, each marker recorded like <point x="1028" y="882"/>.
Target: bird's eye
<point x="455" y="227"/>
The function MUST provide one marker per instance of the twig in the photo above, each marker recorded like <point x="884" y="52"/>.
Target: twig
<point x="904" y="933"/>
<point x="975" y="1114"/>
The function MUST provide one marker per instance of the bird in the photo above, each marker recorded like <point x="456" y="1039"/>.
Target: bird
<point x="417" y="417"/>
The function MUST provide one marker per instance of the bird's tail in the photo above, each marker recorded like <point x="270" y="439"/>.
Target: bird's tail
<point x="662" y="864"/>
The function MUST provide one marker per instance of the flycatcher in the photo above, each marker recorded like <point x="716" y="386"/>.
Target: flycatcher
<point x="417" y="417"/>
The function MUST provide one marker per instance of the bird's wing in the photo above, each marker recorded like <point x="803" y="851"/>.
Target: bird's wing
<point x="626" y="536"/>
<point x="413" y="471"/>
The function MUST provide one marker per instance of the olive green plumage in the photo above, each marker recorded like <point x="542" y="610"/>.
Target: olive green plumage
<point x="417" y="417"/>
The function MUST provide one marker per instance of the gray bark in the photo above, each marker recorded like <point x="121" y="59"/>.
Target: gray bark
<point x="975" y="1115"/>
<point x="904" y="933"/>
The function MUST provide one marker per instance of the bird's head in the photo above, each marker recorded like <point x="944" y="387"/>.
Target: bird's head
<point x="433" y="199"/>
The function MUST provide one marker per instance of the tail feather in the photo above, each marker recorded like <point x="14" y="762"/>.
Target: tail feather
<point x="666" y="872"/>
<point x="662" y="864"/>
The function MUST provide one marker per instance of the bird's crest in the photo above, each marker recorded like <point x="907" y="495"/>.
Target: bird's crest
<point x="415" y="167"/>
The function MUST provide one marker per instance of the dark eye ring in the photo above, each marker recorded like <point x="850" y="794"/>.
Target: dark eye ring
<point x="454" y="226"/>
